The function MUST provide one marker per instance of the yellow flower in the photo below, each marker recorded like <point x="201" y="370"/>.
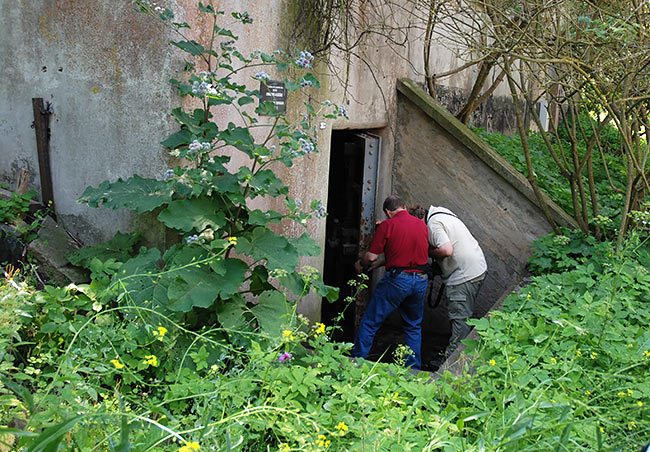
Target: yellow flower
<point x="190" y="446"/>
<point x="631" y="425"/>
<point x="323" y="441"/>
<point x="528" y="297"/>
<point x="160" y="333"/>
<point x="622" y="394"/>
<point x="639" y="403"/>
<point x="232" y="240"/>
<point x="629" y="391"/>
<point x="588" y="393"/>
<point x="287" y="335"/>
<point x="151" y="360"/>
<point x="646" y="353"/>
<point x="342" y="427"/>
<point x="284" y="447"/>
<point x="320" y="328"/>
<point x="554" y="360"/>
<point x="493" y="362"/>
<point x="117" y="363"/>
<point x="594" y="355"/>
<point x="602" y="430"/>
<point x="578" y="353"/>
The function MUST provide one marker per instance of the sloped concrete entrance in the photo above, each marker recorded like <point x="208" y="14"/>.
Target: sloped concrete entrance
<point x="439" y="161"/>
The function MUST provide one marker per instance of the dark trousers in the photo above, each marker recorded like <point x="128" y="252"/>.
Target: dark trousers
<point x="406" y="292"/>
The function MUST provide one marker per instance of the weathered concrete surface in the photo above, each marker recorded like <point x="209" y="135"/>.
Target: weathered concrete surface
<point x="104" y="69"/>
<point x="51" y="249"/>
<point x="496" y="114"/>
<point x="439" y="161"/>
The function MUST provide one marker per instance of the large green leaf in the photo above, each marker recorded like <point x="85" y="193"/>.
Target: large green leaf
<point x="239" y="137"/>
<point x="194" y="214"/>
<point x="305" y="245"/>
<point x="118" y="248"/>
<point x="267" y="108"/>
<point x="135" y="193"/>
<point x="259" y="280"/>
<point x="265" y="182"/>
<point x="229" y="185"/>
<point x="265" y="244"/>
<point x="197" y="288"/>
<point x="330" y="293"/>
<point x="294" y="283"/>
<point x="232" y="313"/>
<point x="271" y="312"/>
<point x="181" y="138"/>
<point x="231" y="275"/>
<point x="198" y="281"/>
<point x="260" y="218"/>
<point x="190" y="121"/>
<point x="192" y="47"/>
<point x="139" y="277"/>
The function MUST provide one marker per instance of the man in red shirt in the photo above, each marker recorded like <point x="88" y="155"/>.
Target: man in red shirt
<point x="403" y="239"/>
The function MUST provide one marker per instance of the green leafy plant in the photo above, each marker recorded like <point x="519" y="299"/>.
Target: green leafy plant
<point x="557" y="253"/>
<point x="565" y="359"/>
<point x="230" y="262"/>
<point x="200" y="347"/>
<point x="16" y="206"/>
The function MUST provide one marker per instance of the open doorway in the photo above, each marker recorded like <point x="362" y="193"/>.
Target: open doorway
<point x="354" y="160"/>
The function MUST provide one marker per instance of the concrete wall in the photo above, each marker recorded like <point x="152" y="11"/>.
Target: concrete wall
<point x="100" y="65"/>
<point x="438" y="161"/>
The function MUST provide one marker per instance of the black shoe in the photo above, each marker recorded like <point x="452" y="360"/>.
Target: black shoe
<point x="434" y="364"/>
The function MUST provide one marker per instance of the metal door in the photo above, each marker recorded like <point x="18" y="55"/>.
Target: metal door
<point x="372" y="145"/>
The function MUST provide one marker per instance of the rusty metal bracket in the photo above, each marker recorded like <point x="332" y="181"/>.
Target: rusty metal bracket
<point x="42" y="113"/>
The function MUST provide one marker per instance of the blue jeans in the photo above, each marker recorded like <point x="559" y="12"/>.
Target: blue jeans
<point x="406" y="292"/>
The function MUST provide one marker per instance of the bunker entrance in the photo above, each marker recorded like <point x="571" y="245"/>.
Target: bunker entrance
<point x="354" y="160"/>
<point x="350" y="222"/>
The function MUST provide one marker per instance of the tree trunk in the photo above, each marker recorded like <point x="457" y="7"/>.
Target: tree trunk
<point x="524" y="143"/>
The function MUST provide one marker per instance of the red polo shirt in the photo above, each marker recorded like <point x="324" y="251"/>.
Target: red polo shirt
<point x="403" y="239"/>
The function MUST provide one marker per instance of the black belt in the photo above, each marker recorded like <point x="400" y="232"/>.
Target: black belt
<point x="408" y="270"/>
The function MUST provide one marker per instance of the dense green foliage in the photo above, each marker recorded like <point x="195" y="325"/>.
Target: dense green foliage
<point x="562" y="367"/>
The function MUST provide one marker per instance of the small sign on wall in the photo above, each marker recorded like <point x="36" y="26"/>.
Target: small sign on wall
<point x="274" y="91"/>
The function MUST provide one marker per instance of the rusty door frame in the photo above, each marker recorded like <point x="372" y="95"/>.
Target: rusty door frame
<point x="372" y="147"/>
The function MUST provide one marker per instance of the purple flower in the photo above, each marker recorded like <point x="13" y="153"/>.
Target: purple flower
<point x="284" y="356"/>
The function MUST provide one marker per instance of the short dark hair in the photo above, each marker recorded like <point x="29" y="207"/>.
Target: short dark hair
<point x="393" y="202"/>
<point x="418" y="212"/>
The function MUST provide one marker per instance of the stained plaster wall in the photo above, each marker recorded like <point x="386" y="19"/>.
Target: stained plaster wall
<point x="438" y="161"/>
<point x="100" y="66"/>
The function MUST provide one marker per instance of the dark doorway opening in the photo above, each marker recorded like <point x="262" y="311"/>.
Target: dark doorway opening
<point x="350" y="220"/>
<point x="350" y="224"/>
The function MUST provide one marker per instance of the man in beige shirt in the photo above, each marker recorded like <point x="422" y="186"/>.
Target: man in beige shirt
<point x="463" y="268"/>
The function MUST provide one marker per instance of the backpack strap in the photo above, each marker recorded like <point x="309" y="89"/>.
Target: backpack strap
<point x="429" y="215"/>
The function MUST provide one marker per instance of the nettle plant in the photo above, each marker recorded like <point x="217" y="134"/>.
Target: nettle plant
<point x="230" y="268"/>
